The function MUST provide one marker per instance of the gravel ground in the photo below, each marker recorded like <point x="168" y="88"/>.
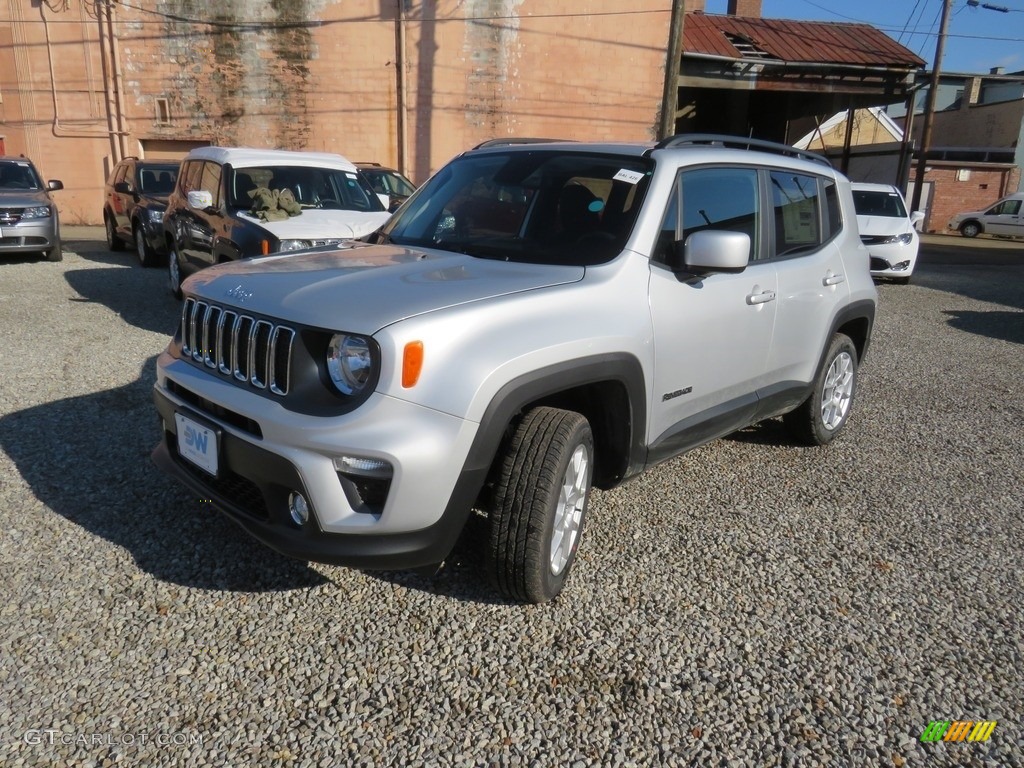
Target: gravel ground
<point x="752" y="603"/>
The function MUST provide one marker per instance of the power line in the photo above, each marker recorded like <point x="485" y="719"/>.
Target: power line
<point x="909" y="19"/>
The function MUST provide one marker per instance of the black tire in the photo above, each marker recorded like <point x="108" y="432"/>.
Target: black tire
<point x="174" y="273"/>
<point x="113" y="241"/>
<point x="810" y="423"/>
<point x="970" y="229"/>
<point x="56" y="253"/>
<point x="549" y="446"/>
<point x="146" y="255"/>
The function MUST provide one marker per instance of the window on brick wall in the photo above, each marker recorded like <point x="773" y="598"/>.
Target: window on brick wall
<point x="163" y="111"/>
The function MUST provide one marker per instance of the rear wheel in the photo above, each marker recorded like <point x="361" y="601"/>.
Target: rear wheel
<point x="113" y="241"/>
<point x="970" y="229"/>
<point x="823" y="415"/>
<point x="540" y="504"/>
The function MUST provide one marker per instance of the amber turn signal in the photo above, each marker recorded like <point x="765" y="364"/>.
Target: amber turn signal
<point x="412" y="363"/>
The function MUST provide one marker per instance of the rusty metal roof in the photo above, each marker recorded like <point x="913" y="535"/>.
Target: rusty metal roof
<point x="818" y="42"/>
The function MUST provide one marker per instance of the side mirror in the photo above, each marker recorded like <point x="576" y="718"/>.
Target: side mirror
<point x="200" y="199"/>
<point x="916" y="218"/>
<point x="385" y="200"/>
<point x="54" y="184"/>
<point x="123" y="188"/>
<point x="711" y="250"/>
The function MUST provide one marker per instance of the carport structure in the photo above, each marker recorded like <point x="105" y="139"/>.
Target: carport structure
<point x="777" y="79"/>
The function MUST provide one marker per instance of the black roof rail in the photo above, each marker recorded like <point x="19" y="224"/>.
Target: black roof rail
<point x="741" y="142"/>
<point x="509" y="142"/>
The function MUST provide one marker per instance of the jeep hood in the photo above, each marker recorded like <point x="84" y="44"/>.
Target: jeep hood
<point x="322" y="224"/>
<point x="17" y="198"/>
<point x="363" y="288"/>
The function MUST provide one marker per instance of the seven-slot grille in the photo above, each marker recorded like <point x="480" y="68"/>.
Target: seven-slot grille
<point x="237" y="345"/>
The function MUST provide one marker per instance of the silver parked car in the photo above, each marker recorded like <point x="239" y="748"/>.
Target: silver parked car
<point x="536" y="320"/>
<point x="29" y="222"/>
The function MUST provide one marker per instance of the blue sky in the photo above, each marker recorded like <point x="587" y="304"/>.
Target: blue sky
<point x="978" y="38"/>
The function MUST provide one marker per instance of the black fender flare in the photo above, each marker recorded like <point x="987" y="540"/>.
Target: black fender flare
<point x="538" y="385"/>
<point x="863" y="310"/>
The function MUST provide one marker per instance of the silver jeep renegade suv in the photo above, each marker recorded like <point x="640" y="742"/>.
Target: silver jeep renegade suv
<point x="538" y="319"/>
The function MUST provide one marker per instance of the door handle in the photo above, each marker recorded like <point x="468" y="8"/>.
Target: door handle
<point x="760" y="298"/>
<point x="833" y="279"/>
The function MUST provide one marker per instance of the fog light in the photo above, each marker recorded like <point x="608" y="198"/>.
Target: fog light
<point x="901" y="266"/>
<point x="298" y="508"/>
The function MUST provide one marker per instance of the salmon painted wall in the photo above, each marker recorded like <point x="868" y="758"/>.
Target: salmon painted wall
<point x="318" y="74"/>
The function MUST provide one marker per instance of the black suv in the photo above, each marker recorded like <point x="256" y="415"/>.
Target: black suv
<point x="387" y="181"/>
<point x="135" y="198"/>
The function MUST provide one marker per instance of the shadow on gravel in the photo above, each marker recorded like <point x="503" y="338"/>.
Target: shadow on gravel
<point x="87" y="459"/>
<point x="462" y="577"/>
<point x="985" y="271"/>
<point x="119" y="290"/>
<point x="96" y="250"/>
<point x="1005" y="326"/>
<point x="771" y="432"/>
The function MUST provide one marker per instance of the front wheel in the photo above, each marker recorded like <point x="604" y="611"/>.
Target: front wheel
<point x="174" y="273"/>
<point x="113" y="241"/>
<point x="970" y="229"/>
<point x="821" y="417"/>
<point x="146" y="255"/>
<point x="540" y="504"/>
<point x="57" y="252"/>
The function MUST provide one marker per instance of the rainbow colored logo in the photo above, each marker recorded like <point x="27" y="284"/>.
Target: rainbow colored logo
<point x="958" y="730"/>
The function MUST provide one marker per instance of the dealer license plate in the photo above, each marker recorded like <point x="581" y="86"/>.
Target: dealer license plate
<point x="197" y="444"/>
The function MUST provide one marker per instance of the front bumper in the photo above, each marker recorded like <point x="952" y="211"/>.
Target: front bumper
<point x="30" y="236"/>
<point x="429" y="499"/>
<point x="892" y="260"/>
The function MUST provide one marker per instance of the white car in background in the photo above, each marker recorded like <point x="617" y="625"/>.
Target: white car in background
<point x="887" y="230"/>
<point x="1004" y="217"/>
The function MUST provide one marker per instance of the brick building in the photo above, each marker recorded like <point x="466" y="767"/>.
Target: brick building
<point x="85" y="82"/>
<point x="408" y="83"/>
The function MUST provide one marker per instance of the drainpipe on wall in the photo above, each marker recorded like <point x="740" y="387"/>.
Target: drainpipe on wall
<point x="58" y="130"/>
<point x="115" y="58"/>
<point x="403" y="92"/>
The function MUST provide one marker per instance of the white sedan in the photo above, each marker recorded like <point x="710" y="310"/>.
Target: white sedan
<point x="887" y="230"/>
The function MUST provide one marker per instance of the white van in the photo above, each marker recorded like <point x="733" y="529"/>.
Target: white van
<point x="1005" y="217"/>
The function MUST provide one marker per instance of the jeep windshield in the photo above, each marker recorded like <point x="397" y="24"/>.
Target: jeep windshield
<point x="548" y="206"/>
<point x="330" y="188"/>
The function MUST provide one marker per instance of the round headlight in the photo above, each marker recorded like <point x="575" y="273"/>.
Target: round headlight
<point x="350" y="363"/>
<point x="294" y="245"/>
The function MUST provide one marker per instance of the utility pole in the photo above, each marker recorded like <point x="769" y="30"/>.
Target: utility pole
<point x="673" y="58"/>
<point x="929" y="109"/>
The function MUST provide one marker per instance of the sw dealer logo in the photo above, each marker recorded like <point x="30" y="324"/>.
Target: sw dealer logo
<point x="196" y="440"/>
<point x="958" y="730"/>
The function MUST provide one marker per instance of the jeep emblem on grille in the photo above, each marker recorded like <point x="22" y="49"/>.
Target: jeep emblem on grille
<point x="239" y="293"/>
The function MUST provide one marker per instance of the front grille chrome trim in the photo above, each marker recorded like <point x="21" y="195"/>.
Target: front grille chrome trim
<point x="241" y="347"/>
<point x="279" y="377"/>
<point x="198" y="309"/>
<point x="259" y="363"/>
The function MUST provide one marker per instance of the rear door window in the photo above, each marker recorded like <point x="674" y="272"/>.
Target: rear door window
<point x="797" y="213"/>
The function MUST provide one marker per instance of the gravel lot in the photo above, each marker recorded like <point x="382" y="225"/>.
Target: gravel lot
<point x="752" y="603"/>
